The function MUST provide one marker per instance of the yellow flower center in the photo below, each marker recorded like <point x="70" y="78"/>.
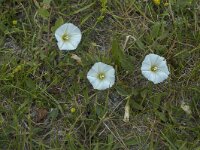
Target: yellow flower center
<point x="101" y="76"/>
<point x="65" y="37"/>
<point x="154" y="68"/>
<point x="156" y="2"/>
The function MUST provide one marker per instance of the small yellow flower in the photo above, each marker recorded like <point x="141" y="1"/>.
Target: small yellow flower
<point x="156" y="2"/>
<point x="17" y="69"/>
<point x="73" y="110"/>
<point x="14" y="22"/>
<point x="166" y="4"/>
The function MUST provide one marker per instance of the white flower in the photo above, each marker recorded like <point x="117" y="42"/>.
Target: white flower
<point x="101" y="76"/>
<point x="154" y="68"/>
<point x="68" y="36"/>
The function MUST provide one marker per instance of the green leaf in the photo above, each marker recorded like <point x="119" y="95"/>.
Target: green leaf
<point x="100" y="111"/>
<point x="1" y="1"/>
<point x="1" y="119"/>
<point x="58" y="23"/>
<point x="96" y="146"/>
<point x="123" y="91"/>
<point x="110" y="142"/>
<point x="171" y="143"/>
<point x="120" y="59"/>
<point x="3" y="28"/>
<point x="132" y="141"/>
<point x="36" y="130"/>
<point x="155" y="30"/>
<point x="30" y="84"/>
<point x="161" y="116"/>
<point x="82" y="9"/>
<point x="135" y="105"/>
<point x="47" y="1"/>
<point x="43" y="13"/>
<point x="184" y="3"/>
<point x="126" y="90"/>
<point x="127" y="63"/>
<point x="156" y="100"/>
<point x="54" y="113"/>
<point x="140" y="45"/>
<point x="117" y="53"/>
<point x="144" y="93"/>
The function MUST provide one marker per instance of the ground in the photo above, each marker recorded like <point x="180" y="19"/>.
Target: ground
<point x="46" y="101"/>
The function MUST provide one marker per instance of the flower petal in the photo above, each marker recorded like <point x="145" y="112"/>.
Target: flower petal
<point x="156" y="79"/>
<point x="145" y="67"/>
<point x="110" y="72"/>
<point x="148" y="75"/>
<point x="75" y="40"/>
<point x="107" y="68"/>
<point x="163" y="67"/>
<point x="95" y="68"/>
<point x="153" y="58"/>
<point x="95" y="82"/>
<point x="60" y="31"/>
<point x="153" y="78"/>
<point x="161" y="76"/>
<point x="65" y="46"/>
<point x="101" y="67"/>
<point x="72" y="29"/>
<point x="110" y="80"/>
<point x="160" y="60"/>
<point x="104" y="85"/>
<point x="92" y="73"/>
<point x="147" y="60"/>
<point x="92" y="79"/>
